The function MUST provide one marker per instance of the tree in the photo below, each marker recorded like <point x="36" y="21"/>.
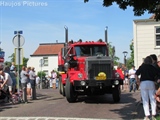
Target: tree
<point x="112" y="53"/>
<point x="12" y="59"/>
<point x="139" y="6"/>
<point x="41" y="74"/>
<point x="25" y="60"/>
<point x="130" y="60"/>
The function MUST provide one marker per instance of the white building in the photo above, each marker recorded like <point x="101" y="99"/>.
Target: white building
<point x="49" y="53"/>
<point x="146" y="39"/>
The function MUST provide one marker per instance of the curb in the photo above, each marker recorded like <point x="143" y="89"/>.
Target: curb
<point x="47" y="118"/>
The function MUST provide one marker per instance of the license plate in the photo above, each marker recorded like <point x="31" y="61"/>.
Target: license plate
<point x="101" y="78"/>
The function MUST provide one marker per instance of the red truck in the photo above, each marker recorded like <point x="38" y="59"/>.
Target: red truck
<point x="86" y="69"/>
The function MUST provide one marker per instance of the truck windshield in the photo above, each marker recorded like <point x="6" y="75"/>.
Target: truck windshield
<point x="90" y="50"/>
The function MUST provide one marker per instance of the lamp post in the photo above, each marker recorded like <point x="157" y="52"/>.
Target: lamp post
<point x="125" y="55"/>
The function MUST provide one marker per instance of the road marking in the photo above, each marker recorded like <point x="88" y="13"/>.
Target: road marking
<point x="47" y="118"/>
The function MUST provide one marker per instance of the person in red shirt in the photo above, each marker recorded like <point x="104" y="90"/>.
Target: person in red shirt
<point x="120" y="72"/>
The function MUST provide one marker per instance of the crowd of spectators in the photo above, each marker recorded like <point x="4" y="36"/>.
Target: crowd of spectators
<point x="27" y="81"/>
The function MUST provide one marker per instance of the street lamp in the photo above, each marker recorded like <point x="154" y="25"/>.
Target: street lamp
<point x="125" y="55"/>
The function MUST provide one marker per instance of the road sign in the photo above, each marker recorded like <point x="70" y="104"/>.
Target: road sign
<point x="41" y="61"/>
<point x="20" y="57"/>
<point x="2" y="54"/>
<point x="18" y="40"/>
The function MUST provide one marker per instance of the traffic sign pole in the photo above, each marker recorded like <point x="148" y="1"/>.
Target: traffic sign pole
<point x="18" y="60"/>
<point x="18" y="41"/>
<point x="41" y="64"/>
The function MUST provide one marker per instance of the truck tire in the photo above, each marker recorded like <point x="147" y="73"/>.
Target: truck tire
<point x="116" y="93"/>
<point x="61" y="87"/>
<point x="71" y="95"/>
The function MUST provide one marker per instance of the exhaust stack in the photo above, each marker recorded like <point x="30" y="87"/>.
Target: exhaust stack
<point x="66" y="34"/>
<point x="106" y="37"/>
<point x="106" y="40"/>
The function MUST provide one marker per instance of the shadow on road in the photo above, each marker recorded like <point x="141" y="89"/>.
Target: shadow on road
<point x="129" y="110"/>
<point x="4" y="106"/>
<point x="126" y="109"/>
<point x="130" y="105"/>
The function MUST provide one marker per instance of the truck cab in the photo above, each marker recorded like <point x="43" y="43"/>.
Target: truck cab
<point x="87" y="69"/>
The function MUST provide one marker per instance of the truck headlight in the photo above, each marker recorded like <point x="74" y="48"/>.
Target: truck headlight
<point x="83" y="83"/>
<point x="66" y="66"/>
<point x="80" y="75"/>
<point x="116" y="82"/>
<point x="117" y="75"/>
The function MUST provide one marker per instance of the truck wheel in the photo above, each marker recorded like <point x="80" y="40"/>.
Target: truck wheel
<point x="71" y="95"/>
<point x="60" y="85"/>
<point x="63" y="89"/>
<point x="116" y="93"/>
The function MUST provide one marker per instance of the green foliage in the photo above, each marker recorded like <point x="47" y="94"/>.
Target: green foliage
<point x="12" y="59"/>
<point x="112" y="53"/>
<point x="116" y="59"/>
<point x="130" y="60"/>
<point x="7" y="63"/>
<point x="139" y="6"/>
<point x="25" y="61"/>
<point x="41" y="74"/>
<point x="158" y="117"/>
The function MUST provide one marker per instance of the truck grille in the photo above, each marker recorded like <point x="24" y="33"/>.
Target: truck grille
<point x="95" y="66"/>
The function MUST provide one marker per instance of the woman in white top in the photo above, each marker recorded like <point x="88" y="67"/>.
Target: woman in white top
<point x="7" y="81"/>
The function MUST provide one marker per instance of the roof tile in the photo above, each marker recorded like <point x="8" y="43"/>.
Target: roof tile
<point x="49" y="49"/>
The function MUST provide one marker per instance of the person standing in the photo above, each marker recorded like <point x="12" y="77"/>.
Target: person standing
<point x="54" y="78"/>
<point x="157" y="95"/>
<point x="132" y="80"/>
<point x="120" y="72"/>
<point x="50" y="80"/>
<point x="28" y="83"/>
<point x="13" y="75"/>
<point x="32" y="77"/>
<point x="24" y="79"/>
<point x="38" y="80"/>
<point x="147" y="74"/>
<point x="126" y="82"/>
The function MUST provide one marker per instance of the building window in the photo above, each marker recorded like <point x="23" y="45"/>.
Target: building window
<point x="45" y="61"/>
<point x="157" y="36"/>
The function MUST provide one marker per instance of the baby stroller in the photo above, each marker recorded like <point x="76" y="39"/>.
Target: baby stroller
<point x="14" y="99"/>
<point x="4" y="96"/>
<point x="17" y="97"/>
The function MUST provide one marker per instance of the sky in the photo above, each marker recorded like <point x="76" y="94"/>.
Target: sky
<point x="43" y="21"/>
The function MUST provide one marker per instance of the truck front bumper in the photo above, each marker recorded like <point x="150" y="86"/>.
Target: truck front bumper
<point x="94" y="83"/>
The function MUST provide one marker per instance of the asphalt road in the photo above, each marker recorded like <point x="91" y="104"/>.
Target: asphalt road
<point x="50" y="105"/>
